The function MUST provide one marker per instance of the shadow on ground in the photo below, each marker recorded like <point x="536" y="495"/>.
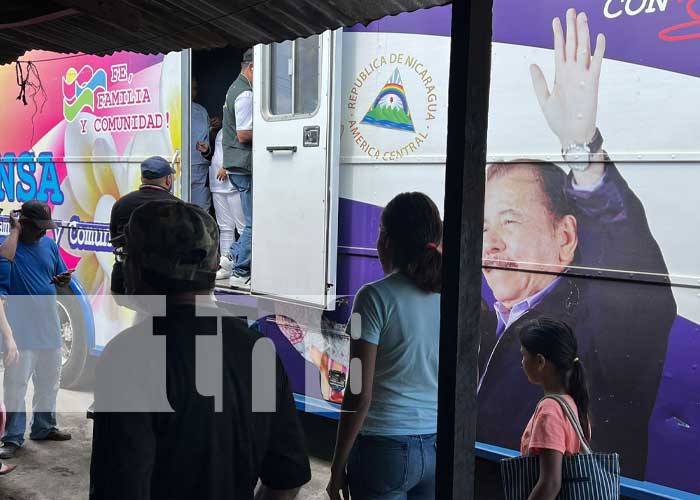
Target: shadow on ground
<point x="60" y="471"/>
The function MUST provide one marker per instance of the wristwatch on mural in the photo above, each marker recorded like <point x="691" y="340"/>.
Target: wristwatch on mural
<point x="579" y="156"/>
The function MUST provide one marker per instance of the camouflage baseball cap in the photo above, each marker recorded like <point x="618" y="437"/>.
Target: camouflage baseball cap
<point x="174" y="239"/>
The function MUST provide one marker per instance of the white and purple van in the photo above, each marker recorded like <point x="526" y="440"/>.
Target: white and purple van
<point x="346" y="120"/>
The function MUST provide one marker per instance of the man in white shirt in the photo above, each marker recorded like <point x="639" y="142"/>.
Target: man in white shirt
<point x="227" y="205"/>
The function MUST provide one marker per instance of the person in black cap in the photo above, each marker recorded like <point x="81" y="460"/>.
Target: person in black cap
<point x="155" y="434"/>
<point x="28" y="286"/>
<point x="156" y="184"/>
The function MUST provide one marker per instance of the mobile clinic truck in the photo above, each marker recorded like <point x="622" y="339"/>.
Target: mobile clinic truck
<point x="346" y="120"/>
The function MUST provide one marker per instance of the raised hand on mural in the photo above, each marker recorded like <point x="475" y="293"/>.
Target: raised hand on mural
<point x="571" y="106"/>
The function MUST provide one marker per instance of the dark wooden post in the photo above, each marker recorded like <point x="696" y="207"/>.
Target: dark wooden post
<point x="470" y="67"/>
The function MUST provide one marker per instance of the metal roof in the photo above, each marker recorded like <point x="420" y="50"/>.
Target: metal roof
<point x="152" y="26"/>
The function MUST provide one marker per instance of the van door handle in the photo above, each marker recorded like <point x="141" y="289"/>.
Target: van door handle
<point x="291" y="149"/>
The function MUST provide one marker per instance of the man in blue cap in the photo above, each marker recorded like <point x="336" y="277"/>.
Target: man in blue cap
<point x="156" y="184"/>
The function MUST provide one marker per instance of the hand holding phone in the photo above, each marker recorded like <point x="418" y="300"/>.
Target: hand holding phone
<point x="62" y="279"/>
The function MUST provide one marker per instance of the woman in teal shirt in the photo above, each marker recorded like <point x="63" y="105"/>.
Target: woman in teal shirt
<point x="386" y="437"/>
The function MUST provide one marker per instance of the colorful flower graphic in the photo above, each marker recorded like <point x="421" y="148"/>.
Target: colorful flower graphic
<point x="97" y="174"/>
<point x="90" y="189"/>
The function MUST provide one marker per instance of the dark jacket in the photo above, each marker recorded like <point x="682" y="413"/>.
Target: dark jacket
<point x="622" y="327"/>
<point x="158" y="432"/>
<point x="119" y="217"/>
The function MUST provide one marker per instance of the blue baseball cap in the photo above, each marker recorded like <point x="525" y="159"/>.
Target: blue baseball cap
<point x="156" y="167"/>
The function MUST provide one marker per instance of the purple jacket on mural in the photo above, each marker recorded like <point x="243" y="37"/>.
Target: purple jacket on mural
<point x="622" y="327"/>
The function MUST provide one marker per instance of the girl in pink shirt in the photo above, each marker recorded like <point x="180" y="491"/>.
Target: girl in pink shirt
<point x="550" y="359"/>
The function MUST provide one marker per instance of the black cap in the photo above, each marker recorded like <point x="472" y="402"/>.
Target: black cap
<point x="156" y="167"/>
<point x="39" y="213"/>
<point x="247" y="56"/>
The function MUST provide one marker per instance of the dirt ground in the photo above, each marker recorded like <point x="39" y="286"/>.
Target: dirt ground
<point x="60" y="471"/>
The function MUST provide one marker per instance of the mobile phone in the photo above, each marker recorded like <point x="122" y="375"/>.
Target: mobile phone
<point x="68" y="272"/>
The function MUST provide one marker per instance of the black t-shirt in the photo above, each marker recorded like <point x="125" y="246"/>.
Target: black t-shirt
<point x="121" y="212"/>
<point x="194" y="451"/>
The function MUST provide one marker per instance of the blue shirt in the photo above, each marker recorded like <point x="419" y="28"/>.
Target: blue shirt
<point x="403" y="322"/>
<point x="30" y="298"/>
<point x="199" y="132"/>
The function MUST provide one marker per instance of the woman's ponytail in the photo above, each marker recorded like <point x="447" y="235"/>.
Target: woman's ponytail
<point x="426" y="270"/>
<point x="578" y="390"/>
<point x="411" y="224"/>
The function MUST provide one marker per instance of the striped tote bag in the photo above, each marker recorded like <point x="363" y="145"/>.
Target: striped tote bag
<point x="584" y="476"/>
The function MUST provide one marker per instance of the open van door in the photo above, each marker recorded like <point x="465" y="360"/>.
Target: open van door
<point x="296" y="142"/>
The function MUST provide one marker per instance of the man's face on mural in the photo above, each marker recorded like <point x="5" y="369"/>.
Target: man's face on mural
<point x="520" y="232"/>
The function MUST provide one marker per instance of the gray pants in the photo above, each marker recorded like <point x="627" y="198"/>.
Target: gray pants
<point x="200" y="194"/>
<point x="43" y="366"/>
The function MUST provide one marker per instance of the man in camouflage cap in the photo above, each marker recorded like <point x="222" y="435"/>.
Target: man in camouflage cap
<point x="154" y="434"/>
<point x="171" y="247"/>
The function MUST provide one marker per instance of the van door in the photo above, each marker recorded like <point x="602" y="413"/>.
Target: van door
<point x="296" y="136"/>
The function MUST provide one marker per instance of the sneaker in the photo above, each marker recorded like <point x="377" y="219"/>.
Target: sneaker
<point x="8" y="450"/>
<point x="226" y="264"/>
<point x="239" y="282"/>
<point x="223" y="274"/>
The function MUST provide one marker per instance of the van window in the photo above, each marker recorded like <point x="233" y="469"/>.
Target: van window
<point x="281" y="71"/>
<point x="293" y="85"/>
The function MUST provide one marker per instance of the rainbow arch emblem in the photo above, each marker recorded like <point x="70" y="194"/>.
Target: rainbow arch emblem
<point x="390" y="107"/>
